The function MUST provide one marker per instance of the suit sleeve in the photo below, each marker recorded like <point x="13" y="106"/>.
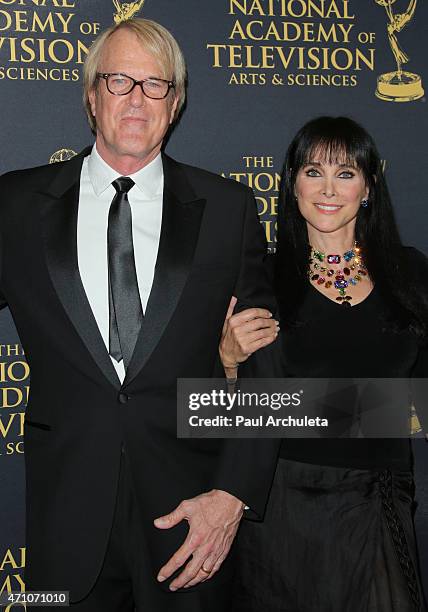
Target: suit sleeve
<point x="247" y="466"/>
<point x="253" y="288"/>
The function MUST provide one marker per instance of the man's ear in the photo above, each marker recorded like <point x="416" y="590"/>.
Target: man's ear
<point x="173" y="109"/>
<point x="92" y="96"/>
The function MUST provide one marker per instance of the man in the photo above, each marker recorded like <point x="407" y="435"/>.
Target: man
<point x="119" y="286"/>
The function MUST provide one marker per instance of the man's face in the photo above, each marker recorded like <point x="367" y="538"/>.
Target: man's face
<point x="130" y="128"/>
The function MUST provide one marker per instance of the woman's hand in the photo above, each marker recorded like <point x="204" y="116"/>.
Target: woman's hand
<point x="243" y="334"/>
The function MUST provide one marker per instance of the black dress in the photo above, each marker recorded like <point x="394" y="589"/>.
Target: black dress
<point x="338" y="533"/>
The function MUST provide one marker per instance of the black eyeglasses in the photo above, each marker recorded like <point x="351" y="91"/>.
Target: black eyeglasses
<point x="120" y="84"/>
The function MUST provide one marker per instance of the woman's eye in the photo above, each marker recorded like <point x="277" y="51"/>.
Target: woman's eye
<point x="312" y="172"/>
<point x="346" y="174"/>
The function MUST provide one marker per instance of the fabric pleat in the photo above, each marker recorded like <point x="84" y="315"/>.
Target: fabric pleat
<point x="333" y="540"/>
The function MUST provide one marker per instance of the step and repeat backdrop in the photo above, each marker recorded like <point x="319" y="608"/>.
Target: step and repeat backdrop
<point x="258" y="69"/>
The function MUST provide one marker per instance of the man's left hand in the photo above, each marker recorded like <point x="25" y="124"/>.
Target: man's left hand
<point x="213" y="522"/>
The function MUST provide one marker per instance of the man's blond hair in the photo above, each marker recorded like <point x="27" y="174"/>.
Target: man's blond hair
<point x="157" y="41"/>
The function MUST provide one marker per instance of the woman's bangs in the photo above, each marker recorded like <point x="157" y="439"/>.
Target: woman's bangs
<point x="332" y="151"/>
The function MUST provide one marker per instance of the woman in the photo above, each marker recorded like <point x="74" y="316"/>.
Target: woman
<point x="353" y="302"/>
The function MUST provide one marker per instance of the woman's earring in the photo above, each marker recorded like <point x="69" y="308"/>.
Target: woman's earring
<point x="364" y="203"/>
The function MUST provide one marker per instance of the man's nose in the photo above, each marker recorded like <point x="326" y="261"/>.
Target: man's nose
<point x="136" y="97"/>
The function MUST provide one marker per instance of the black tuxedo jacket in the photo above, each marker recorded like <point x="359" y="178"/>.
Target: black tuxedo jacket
<point x="79" y="415"/>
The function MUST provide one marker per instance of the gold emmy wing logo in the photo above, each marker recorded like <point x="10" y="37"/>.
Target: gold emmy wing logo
<point x="399" y="85"/>
<point x="62" y="155"/>
<point x="415" y="425"/>
<point x="127" y="10"/>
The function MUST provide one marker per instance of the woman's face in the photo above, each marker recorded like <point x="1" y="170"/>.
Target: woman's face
<point x="329" y="195"/>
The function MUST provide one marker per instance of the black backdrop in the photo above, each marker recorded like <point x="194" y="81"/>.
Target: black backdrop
<point x="258" y="69"/>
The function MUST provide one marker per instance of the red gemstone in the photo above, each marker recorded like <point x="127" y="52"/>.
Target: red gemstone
<point x="321" y="280"/>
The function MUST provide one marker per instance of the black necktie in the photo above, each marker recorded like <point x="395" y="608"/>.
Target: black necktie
<point x="126" y="313"/>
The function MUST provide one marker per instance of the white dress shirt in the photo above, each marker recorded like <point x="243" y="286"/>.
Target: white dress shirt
<point x="96" y="195"/>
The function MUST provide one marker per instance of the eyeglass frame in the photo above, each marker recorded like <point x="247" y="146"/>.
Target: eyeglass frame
<point x="106" y="75"/>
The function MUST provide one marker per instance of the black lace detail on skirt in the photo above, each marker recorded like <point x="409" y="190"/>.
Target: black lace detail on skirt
<point x="398" y="537"/>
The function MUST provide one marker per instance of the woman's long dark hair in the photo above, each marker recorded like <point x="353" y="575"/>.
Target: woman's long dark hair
<point x="341" y="140"/>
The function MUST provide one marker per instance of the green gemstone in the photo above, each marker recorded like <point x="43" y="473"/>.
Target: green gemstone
<point x="342" y="291"/>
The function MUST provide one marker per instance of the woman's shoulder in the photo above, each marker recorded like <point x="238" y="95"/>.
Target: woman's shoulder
<point x="416" y="260"/>
<point x="414" y="276"/>
<point x="414" y="254"/>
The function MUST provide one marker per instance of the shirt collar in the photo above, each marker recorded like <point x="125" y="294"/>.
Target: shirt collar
<point x="149" y="179"/>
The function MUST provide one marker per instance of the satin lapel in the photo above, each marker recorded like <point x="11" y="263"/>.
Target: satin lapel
<point x="59" y="219"/>
<point x="181" y="219"/>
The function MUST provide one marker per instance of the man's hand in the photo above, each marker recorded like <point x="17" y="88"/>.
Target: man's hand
<point x="244" y="333"/>
<point x="213" y="522"/>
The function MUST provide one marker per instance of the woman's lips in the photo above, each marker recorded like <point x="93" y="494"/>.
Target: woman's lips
<point x="328" y="209"/>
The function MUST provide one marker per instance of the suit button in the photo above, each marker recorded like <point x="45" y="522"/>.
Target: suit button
<point x="123" y="398"/>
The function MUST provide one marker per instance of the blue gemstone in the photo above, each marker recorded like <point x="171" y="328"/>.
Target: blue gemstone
<point x="349" y="255"/>
<point x="341" y="284"/>
<point x="352" y="281"/>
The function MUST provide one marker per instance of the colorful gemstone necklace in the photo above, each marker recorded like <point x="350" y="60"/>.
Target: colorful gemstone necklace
<point x="351" y="274"/>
